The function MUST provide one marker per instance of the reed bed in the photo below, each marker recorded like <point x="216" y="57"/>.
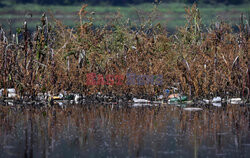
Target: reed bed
<point x="199" y="60"/>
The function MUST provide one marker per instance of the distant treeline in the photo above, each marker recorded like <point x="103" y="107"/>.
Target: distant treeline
<point x="124" y="2"/>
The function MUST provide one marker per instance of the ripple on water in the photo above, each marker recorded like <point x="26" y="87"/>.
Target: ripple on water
<point x="105" y="131"/>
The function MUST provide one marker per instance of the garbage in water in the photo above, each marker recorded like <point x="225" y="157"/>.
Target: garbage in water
<point x="167" y="91"/>
<point x="77" y="98"/>
<point x="11" y="93"/>
<point x="69" y="97"/>
<point x="174" y="96"/>
<point x="216" y="99"/>
<point x="141" y="104"/>
<point x="140" y="100"/>
<point x="160" y="97"/>
<point x="178" y="104"/>
<point x="53" y="58"/>
<point x="235" y="101"/>
<point x="189" y="102"/>
<point x="206" y="101"/>
<point x="177" y="98"/>
<point x="158" y="102"/>
<point x="192" y="109"/>
<point x="217" y="104"/>
<point x="56" y="97"/>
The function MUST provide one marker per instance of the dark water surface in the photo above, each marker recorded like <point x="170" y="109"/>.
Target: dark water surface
<point x="106" y="131"/>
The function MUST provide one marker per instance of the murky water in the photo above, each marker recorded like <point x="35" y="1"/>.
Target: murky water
<point x="106" y="131"/>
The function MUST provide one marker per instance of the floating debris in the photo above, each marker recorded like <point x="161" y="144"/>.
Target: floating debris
<point x="178" y="98"/>
<point x="174" y="96"/>
<point x="141" y="105"/>
<point x="167" y="91"/>
<point x="69" y="97"/>
<point x="62" y="103"/>
<point x="217" y="104"/>
<point x="12" y="95"/>
<point x="160" y="97"/>
<point x="11" y="92"/>
<point x="56" y="98"/>
<point x="192" y="109"/>
<point x="178" y="104"/>
<point x="216" y="99"/>
<point x="140" y="100"/>
<point x="158" y="102"/>
<point x="189" y="102"/>
<point x="77" y="98"/>
<point x="206" y="101"/>
<point x="235" y="101"/>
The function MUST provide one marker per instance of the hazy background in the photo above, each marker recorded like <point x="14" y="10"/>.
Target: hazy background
<point x="170" y="13"/>
<point x="123" y="2"/>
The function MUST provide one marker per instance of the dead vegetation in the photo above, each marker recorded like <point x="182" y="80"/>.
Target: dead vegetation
<point x="200" y="61"/>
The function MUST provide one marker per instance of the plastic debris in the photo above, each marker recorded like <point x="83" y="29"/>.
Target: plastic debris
<point x="40" y="96"/>
<point x="178" y="98"/>
<point x="167" y="91"/>
<point x="192" y="109"/>
<point x="178" y="104"/>
<point x="158" y="102"/>
<point x="206" y="101"/>
<point x="216" y="99"/>
<point x="141" y="105"/>
<point x="77" y="98"/>
<point x="217" y="104"/>
<point x="10" y="103"/>
<point x="60" y="96"/>
<point x="140" y="100"/>
<point x="133" y="47"/>
<point x="69" y="97"/>
<point x="12" y="95"/>
<point x="173" y="96"/>
<point x="160" y="97"/>
<point x="189" y="102"/>
<point x="11" y="92"/>
<point x="56" y="98"/>
<point x="235" y="101"/>
<point x="174" y="100"/>
<point x="61" y="103"/>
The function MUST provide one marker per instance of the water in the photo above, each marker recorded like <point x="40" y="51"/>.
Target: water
<point x="109" y="131"/>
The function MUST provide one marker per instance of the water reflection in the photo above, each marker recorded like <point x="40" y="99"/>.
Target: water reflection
<point x="108" y="131"/>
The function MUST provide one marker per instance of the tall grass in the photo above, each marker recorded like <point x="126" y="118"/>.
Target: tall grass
<point x="201" y="61"/>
